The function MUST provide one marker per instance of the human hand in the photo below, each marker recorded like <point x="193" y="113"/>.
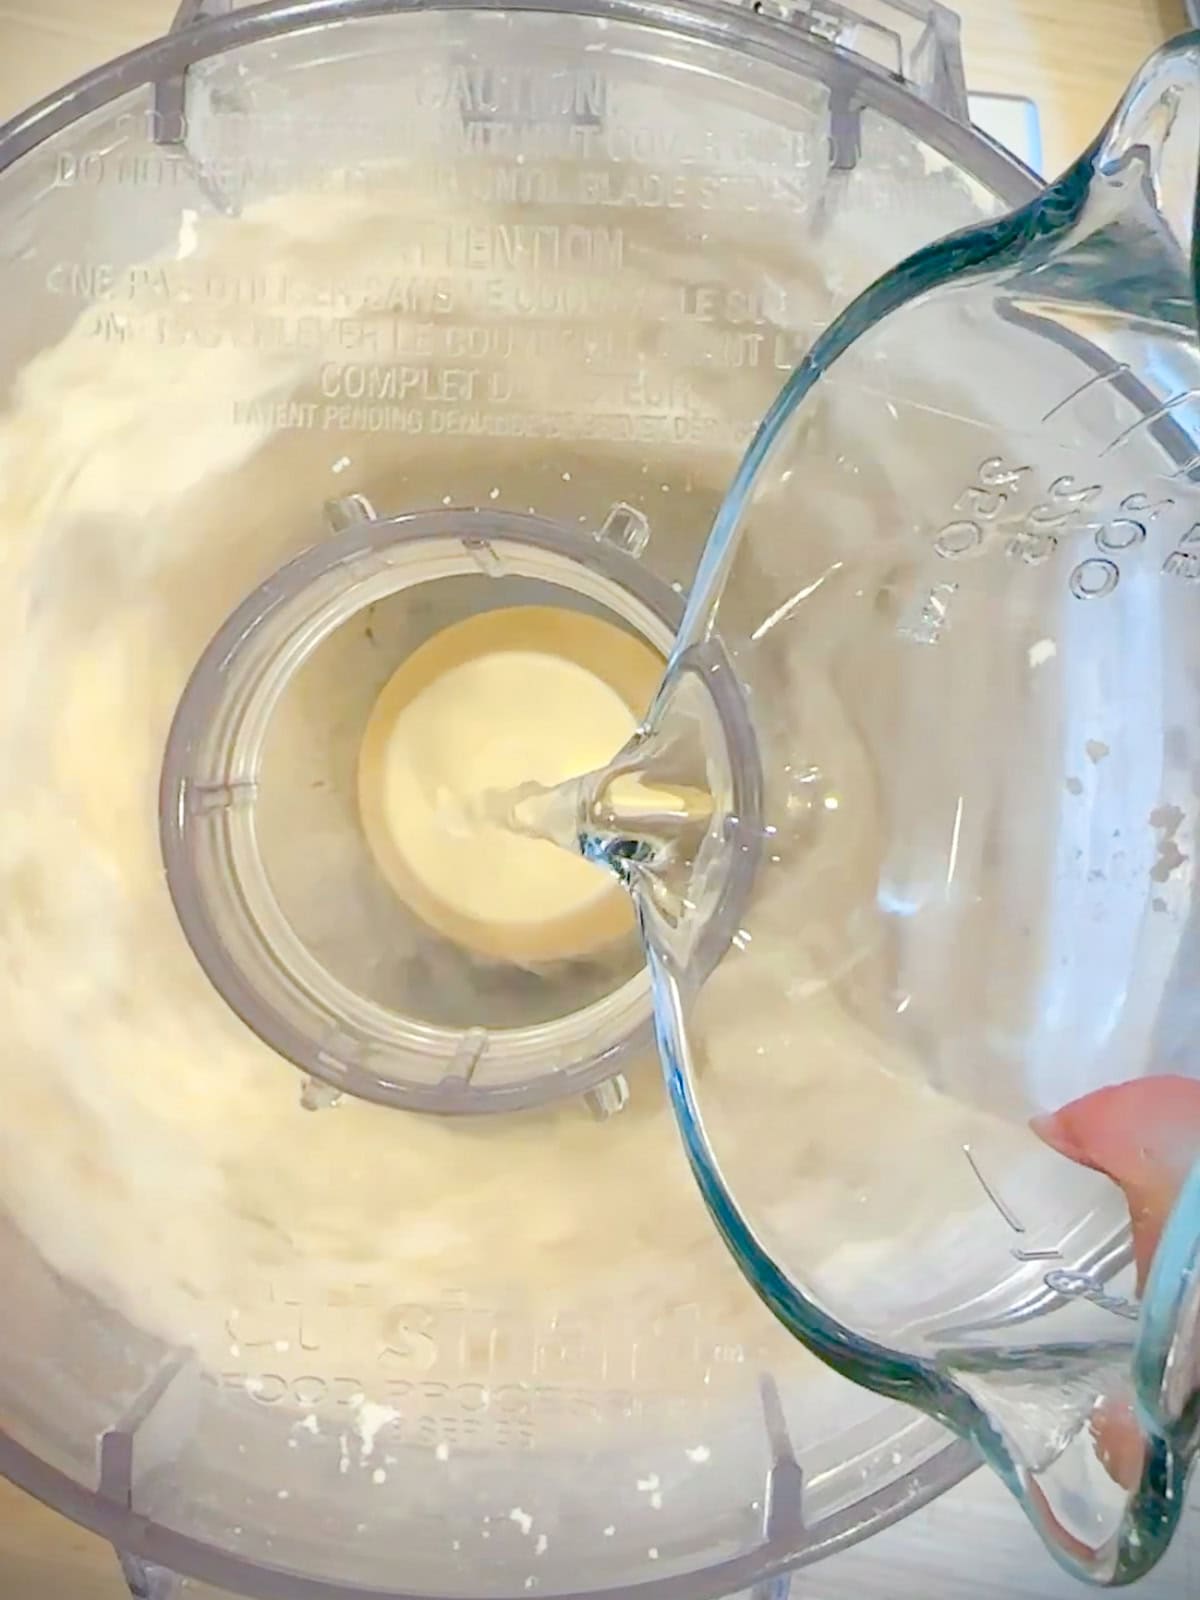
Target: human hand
<point x="1145" y="1136"/>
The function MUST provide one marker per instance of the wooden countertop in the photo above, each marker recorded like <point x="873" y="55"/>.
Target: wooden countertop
<point x="1073" y="58"/>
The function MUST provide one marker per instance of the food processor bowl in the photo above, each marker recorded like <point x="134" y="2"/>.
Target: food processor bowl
<point x="330" y="326"/>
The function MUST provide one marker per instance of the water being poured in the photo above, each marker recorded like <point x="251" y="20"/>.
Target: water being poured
<point x="662" y="815"/>
<point x="607" y="815"/>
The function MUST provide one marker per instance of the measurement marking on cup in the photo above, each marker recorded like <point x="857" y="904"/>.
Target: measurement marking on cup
<point x="1037" y="1255"/>
<point x="1013" y="1221"/>
<point x="1148" y="418"/>
<point x="1081" y="1286"/>
<point x="1091" y="383"/>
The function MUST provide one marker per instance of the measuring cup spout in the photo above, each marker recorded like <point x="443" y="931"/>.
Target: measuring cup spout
<point x="1116" y="235"/>
<point x="1149" y="157"/>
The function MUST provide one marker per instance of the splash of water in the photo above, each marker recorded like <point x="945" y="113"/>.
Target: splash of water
<point x="657" y="816"/>
<point x="602" y="812"/>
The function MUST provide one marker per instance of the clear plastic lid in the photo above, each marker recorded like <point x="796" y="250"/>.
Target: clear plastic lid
<point x="337" y="1258"/>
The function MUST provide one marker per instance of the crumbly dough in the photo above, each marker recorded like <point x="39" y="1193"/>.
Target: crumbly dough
<point x="152" y="1148"/>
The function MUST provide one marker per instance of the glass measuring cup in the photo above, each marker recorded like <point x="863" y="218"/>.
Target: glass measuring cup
<point x="955" y="582"/>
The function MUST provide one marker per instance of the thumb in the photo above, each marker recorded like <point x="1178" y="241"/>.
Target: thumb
<point x="1144" y="1135"/>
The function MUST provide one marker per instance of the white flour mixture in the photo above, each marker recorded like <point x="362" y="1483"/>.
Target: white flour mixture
<point x="150" y="1146"/>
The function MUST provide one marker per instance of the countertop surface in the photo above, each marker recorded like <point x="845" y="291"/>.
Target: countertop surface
<point x="1072" y="57"/>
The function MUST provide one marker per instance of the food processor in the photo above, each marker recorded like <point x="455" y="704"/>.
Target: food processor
<point x="349" y="1246"/>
